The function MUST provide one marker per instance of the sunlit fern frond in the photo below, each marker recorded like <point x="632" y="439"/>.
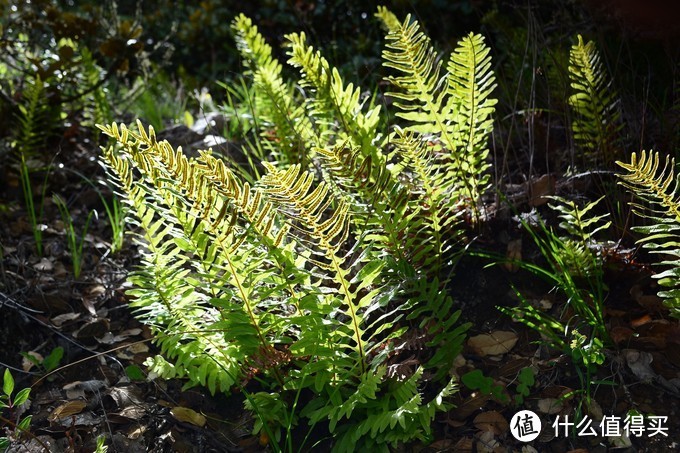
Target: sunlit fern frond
<point x="323" y="230"/>
<point x="471" y="82"/>
<point x="434" y="216"/>
<point x="280" y="114"/>
<point x="597" y="122"/>
<point x="655" y="185"/>
<point x="419" y="98"/>
<point x="189" y="212"/>
<point x="453" y="112"/>
<point x="579" y="221"/>
<point x="332" y="101"/>
<point x="658" y="189"/>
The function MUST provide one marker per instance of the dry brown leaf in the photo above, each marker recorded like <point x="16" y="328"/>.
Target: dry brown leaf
<point x="639" y="363"/>
<point x="67" y="409"/>
<point x="513" y="254"/>
<point x="641" y="321"/>
<point x="620" y="334"/>
<point x="58" y="320"/>
<point x="491" y="421"/>
<point x="486" y="442"/>
<point x="184" y="414"/>
<point x="651" y="302"/>
<point x="468" y="407"/>
<point x="550" y="406"/>
<point x="494" y="343"/>
<point x="44" y="265"/>
<point x="442" y="445"/>
<point x="539" y="188"/>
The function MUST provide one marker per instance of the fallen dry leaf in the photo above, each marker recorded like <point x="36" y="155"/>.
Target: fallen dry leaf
<point x="57" y="321"/>
<point x="463" y="445"/>
<point x="67" y="409"/>
<point x="651" y="302"/>
<point x="513" y="254"/>
<point x="620" y="334"/>
<point x="550" y="406"/>
<point x="44" y="265"/>
<point x="184" y="414"/>
<point x="639" y="363"/>
<point x="641" y="321"/>
<point x="539" y="188"/>
<point x="491" y="421"/>
<point x="494" y="343"/>
<point x="487" y="442"/>
<point x="27" y="364"/>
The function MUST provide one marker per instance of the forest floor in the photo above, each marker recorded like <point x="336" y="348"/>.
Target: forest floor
<point x="96" y="388"/>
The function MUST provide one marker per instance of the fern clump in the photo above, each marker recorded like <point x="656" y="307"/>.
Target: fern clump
<point x="597" y="121"/>
<point x="656" y="187"/>
<point x="308" y="269"/>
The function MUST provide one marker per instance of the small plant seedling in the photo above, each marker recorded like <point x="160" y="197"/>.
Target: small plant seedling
<point x="526" y="381"/>
<point x="49" y="363"/>
<point x="475" y="380"/>
<point x="16" y="424"/>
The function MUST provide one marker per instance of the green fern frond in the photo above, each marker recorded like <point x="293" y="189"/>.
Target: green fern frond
<point x="419" y="99"/>
<point x="579" y="221"/>
<point x="334" y="101"/>
<point x="97" y="110"/>
<point x="576" y="253"/>
<point x="597" y="122"/>
<point x="197" y="221"/>
<point x="655" y="185"/>
<point x="434" y="221"/>
<point x="454" y="111"/>
<point x="281" y="114"/>
<point x="33" y="118"/>
<point x="658" y="188"/>
<point x="375" y="420"/>
<point x="470" y="84"/>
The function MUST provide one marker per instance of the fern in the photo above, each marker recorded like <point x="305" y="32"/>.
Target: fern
<point x="455" y="109"/>
<point x="597" y="121"/>
<point x="98" y="110"/>
<point x="277" y="109"/>
<point x="578" y="250"/>
<point x="307" y="276"/>
<point x="334" y="102"/>
<point x="656" y="187"/>
<point x="33" y="119"/>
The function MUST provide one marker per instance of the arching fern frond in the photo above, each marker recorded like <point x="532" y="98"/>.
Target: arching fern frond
<point x="597" y="121"/>
<point x="194" y="223"/>
<point x="658" y="188"/>
<point x="454" y="110"/>
<point x="332" y="100"/>
<point x="281" y="114"/>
